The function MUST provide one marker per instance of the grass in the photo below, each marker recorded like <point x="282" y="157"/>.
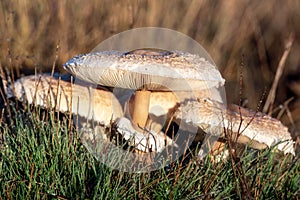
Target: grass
<point x="41" y="158"/>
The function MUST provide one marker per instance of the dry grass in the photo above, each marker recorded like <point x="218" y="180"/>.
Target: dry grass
<point x="31" y="30"/>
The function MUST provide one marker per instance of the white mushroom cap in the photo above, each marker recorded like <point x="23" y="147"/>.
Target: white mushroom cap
<point x="259" y="130"/>
<point x="152" y="69"/>
<point x="46" y="91"/>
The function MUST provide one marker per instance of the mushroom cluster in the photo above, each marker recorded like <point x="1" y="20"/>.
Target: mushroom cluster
<point x="176" y="75"/>
<point x="164" y="83"/>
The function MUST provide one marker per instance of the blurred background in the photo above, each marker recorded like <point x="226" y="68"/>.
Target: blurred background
<point x="33" y="33"/>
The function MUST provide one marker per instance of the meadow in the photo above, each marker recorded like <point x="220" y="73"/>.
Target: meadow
<point x="41" y="155"/>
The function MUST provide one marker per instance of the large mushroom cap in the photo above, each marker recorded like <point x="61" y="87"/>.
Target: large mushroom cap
<point x="147" y="68"/>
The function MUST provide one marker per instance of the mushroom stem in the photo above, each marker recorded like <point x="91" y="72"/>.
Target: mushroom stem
<point x="141" y="107"/>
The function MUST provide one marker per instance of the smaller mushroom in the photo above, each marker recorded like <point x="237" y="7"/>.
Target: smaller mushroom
<point x="98" y="104"/>
<point x="257" y="129"/>
<point x="46" y="91"/>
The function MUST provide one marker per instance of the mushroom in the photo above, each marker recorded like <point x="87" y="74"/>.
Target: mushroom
<point x="96" y="104"/>
<point x="145" y="71"/>
<point x="256" y="129"/>
<point x="91" y="103"/>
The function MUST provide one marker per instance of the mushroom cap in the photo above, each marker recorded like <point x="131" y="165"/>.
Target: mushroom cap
<point x="256" y="128"/>
<point x="151" y="69"/>
<point x="44" y="90"/>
